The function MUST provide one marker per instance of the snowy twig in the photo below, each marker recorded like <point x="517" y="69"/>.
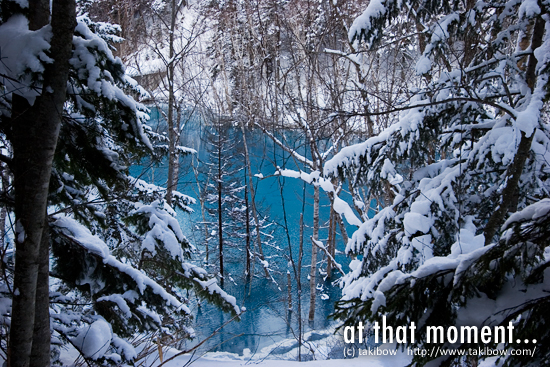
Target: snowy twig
<point x="428" y="103"/>
<point x="320" y="245"/>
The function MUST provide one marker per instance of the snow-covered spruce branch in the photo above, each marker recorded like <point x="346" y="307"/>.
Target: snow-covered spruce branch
<point x="80" y="236"/>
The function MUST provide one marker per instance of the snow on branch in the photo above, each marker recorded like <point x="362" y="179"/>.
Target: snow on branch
<point x="368" y="26"/>
<point x="322" y="247"/>
<point x="314" y="178"/>
<point x="163" y="227"/>
<point x="352" y="155"/>
<point x="212" y="287"/>
<point x="84" y="238"/>
<point x="23" y="57"/>
<point x="149" y="189"/>
<point x="89" y="53"/>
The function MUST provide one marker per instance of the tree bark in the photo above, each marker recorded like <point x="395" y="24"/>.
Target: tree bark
<point x="35" y="130"/>
<point x="40" y="353"/>
<point x="331" y="242"/>
<point x="201" y="196"/>
<point x="343" y="230"/>
<point x="513" y="173"/>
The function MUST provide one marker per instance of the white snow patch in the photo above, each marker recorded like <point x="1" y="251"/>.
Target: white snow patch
<point x="94" y="340"/>
<point x="423" y="65"/>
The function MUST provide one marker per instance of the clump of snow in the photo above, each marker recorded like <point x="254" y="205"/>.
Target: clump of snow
<point x="376" y="9"/>
<point x="93" y="341"/>
<point x="23" y="54"/>
<point x="423" y="65"/>
<point x="528" y="119"/>
<point x="22" y="3"/>
<point x="124" y="348"/>
<point x="120" y="302"/>
<point x="533" y="212"/>
<point x="467" y="240"/>
<point x="20" y="231"/>
<point x="164" y="227"/>
<point x="529" y="8"/>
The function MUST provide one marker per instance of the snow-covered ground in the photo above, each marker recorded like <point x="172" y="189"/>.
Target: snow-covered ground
<point x="329" y="352"/>
<point x="231" y="360"/>
<point x="234" y="360"/>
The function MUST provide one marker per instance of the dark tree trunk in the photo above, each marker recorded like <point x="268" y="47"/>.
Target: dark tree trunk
<point x="35" y="130"/>
<point x="40" y="353"/>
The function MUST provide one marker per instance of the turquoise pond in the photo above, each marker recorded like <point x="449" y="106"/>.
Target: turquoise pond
<point x="267" y="319"/>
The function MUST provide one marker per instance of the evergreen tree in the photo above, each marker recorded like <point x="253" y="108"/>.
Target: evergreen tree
<point x="120" y="258"/>
<point x="469" y="149"/>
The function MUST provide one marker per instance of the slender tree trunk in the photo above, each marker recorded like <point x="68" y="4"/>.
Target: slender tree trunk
<point x="253" y="199"/>
<point x="35" y="131"/>
<point x="203" y="208"/>
<point x="247" y="229"/>
<point x="220" y="230"/>
<point x="299" y="286"/>
<point x="330" y="241"/>
<point x="333" y="240"/>
<point x="313" y="273"/>
<point x="220" y="216"/>
<point x="4" y="211"/>
<point x="173" y="126"/>
<point x="289" y="286"/>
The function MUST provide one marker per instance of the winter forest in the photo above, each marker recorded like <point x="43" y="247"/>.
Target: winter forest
<point x="258" y="180"/>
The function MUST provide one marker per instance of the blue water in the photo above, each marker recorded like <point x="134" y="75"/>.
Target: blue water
<point x="267" y="318"/>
